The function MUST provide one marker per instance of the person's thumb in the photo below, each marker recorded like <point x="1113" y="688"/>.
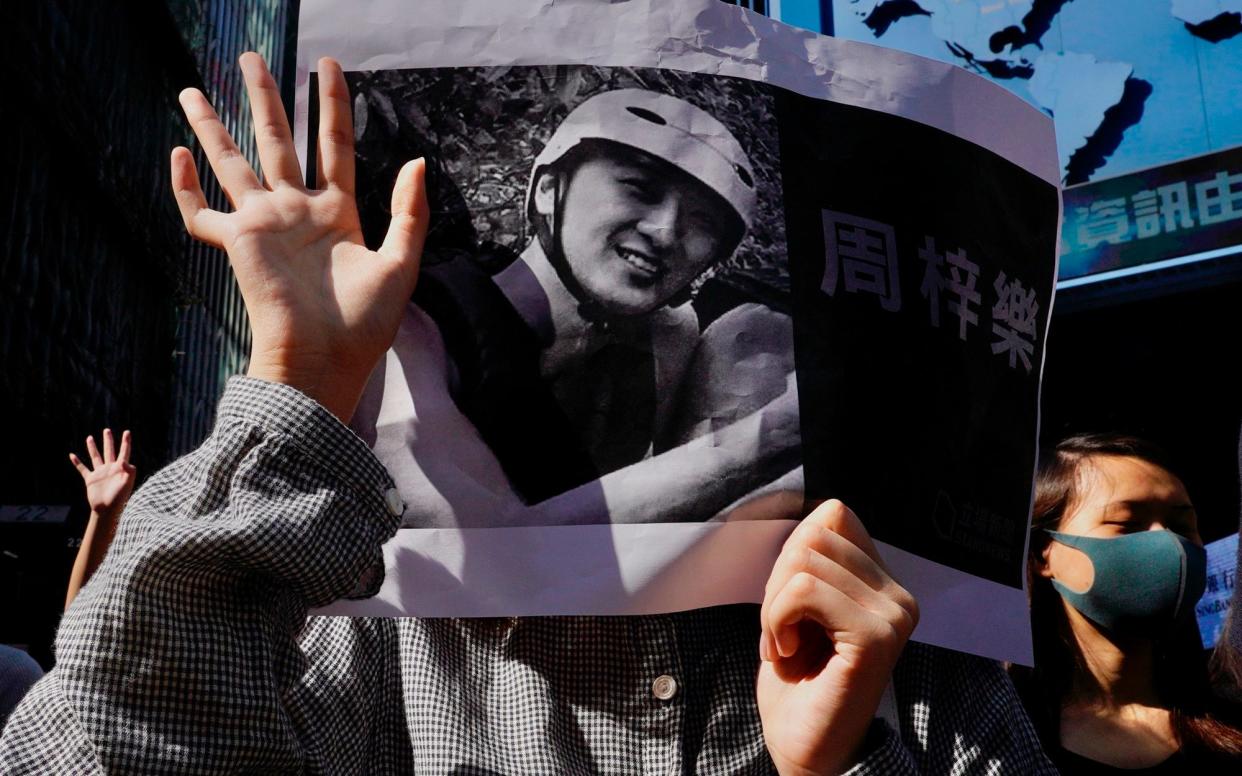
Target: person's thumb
<point x="404" y="242"/>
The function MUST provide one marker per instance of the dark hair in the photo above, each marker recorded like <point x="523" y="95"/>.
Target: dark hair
<point x="1182" y="681"/>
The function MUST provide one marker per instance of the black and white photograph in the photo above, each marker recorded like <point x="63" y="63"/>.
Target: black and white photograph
<point x="605" y="291"/>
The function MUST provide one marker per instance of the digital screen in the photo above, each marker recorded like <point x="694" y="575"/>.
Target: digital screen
<point x="1147" y="105"/>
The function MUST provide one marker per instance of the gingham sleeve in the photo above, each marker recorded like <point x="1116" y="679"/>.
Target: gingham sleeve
<point x="961" y="714"/>
<point x="883" y="754"/>
<point x="958" y="714"/>
<point x="180" y="654"/>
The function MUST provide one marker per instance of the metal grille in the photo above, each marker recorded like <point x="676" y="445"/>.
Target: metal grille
<point x="759" y="6"/>
<point x="213" y="335"/>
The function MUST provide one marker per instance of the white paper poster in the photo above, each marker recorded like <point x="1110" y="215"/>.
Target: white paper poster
<point x="688" y="271"/>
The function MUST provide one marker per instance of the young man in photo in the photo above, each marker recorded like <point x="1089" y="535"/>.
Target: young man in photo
<point x="580" y="371"/>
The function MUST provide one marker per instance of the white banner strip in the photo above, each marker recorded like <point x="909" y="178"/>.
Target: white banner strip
<point x="629" y="569"/>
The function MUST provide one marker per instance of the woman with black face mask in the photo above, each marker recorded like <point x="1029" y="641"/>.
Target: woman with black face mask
<point x="1115" y="567"/>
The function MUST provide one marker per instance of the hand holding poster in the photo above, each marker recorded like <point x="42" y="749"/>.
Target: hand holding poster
<point x="688" y="270"/>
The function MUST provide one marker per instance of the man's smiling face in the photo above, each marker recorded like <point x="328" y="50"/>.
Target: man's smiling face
<point x="635" y="230"/>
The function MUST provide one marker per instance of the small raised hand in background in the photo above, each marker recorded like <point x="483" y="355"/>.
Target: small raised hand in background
<point x="109" y="480"/>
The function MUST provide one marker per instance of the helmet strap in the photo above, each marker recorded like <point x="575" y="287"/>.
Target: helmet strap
<point x="548" y="232"/>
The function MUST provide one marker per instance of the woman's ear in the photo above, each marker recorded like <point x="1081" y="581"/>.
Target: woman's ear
<point x="1041" y="561"/>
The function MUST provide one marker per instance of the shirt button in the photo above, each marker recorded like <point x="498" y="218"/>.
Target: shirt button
<point x="392" y="500"/>
<point x="664" y="687"/>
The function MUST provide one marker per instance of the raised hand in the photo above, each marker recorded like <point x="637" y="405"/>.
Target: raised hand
<point x="109" y="481"/>
<point x="110" y="477"/>
<point x="323" y="308"/>
<point x="834" y="624"/>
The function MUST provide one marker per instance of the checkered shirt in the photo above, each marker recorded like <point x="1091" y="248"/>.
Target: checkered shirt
<point x="190" y="651"/>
